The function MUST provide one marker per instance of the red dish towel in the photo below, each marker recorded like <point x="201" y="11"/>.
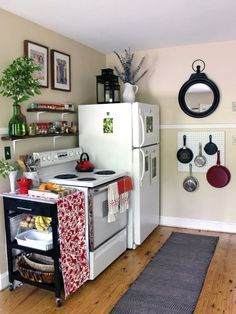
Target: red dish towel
<point x="124" y="185"/>
<point x="128" y="184"/>
<point x="121" y="186"/>
<point x="71" y="226"/>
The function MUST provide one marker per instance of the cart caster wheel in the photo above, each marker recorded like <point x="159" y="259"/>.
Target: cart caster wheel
<point x="11" y="287"/>
<point x="58" y="302"/>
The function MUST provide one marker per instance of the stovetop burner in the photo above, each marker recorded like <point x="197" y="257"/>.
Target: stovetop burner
<point x="86" y="179"/>
<point x="104" y="172"/>
<point x="66" y="176"/>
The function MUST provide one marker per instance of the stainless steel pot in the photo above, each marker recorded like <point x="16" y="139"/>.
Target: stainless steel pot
<point x="200" y="160"/>
<point x="190" y="184"/>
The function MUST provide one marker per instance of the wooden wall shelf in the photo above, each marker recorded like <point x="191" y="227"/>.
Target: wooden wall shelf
<point x="14" y="138"/>
<point x="50" y="110"/>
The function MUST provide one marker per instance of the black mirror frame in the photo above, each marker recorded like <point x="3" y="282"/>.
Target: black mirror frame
<point x="194" y="79"/>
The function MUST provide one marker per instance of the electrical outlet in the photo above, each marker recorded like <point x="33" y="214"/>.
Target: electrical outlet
<point x="234" y="105"/>
<point x="7" y="152"/>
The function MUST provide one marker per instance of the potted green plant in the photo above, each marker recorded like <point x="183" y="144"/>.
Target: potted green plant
<point x="128" y="75"/>
<point x="9" y="170"/>
<point x="18" y="83"/>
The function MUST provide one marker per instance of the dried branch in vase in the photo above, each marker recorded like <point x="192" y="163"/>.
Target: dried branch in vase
<point x="126" y="75"/>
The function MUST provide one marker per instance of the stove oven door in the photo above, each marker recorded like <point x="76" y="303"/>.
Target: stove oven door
<point x="100" y="230"/>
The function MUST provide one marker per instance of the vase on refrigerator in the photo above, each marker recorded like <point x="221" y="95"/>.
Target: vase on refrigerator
<point x="129" y="92"/>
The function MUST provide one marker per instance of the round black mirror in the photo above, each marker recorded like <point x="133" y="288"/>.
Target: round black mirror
<point x="199" y="96"/>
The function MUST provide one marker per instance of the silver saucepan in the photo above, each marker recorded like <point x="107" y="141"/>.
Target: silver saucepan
<point x="190" y="184"/>
<point x="200" y="160"/>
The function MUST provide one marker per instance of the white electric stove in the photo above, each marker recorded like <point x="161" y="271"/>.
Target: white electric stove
<point x="106" y="241"/>
<point x="59" y="167"/>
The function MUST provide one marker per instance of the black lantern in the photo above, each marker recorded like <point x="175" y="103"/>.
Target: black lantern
<point x="108" y="88"/>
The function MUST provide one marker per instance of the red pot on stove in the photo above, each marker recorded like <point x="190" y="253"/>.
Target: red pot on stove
<point x="84" y="165"/>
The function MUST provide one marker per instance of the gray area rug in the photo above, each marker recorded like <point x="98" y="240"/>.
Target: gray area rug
<point x="171" y="283"/>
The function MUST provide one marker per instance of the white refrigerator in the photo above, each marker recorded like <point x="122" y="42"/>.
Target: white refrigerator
<point x="125" y="137"/>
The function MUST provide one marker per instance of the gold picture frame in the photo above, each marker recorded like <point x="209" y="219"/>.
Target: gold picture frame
<point x="39" y="54"/>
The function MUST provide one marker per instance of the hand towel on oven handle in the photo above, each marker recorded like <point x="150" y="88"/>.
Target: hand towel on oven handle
<point x="124" y="186"/>
<point x="124" y="202"/>
<point x="113" y="202"/>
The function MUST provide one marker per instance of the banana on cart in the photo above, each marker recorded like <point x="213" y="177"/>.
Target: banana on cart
<point x="42" y="223"/>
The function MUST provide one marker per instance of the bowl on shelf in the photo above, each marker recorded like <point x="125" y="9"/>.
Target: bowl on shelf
<point x="35" y="239"/>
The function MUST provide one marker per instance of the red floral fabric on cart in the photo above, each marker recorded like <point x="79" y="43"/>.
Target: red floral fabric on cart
<point x="71" y="225"/>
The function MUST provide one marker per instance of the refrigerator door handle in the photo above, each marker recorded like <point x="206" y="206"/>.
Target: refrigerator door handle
<point x="142" y="129"/>
<point x="143" y="163"/>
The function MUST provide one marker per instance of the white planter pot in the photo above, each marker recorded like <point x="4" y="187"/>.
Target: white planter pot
<point x="12" y="178"/>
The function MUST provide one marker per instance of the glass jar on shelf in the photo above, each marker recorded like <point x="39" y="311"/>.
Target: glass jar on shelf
<point x="31" y="129"/>
<point x="57" y="127"/>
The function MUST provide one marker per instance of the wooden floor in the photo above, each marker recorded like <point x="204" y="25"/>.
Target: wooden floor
<point x="218" y="294"/>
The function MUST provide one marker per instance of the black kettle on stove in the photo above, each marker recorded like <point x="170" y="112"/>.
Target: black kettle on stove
<point x="84" y="165"/>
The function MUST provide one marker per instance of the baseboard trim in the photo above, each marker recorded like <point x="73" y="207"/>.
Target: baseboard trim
<point x="4" y="281"/>
<point x="198" y="224"/>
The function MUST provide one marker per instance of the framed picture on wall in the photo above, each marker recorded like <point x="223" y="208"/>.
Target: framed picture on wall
<point x="39" y="54"/>
<point x="60" y="71"/>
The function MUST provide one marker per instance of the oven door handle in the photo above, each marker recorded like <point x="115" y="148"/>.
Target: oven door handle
<point x="98" y="190"/>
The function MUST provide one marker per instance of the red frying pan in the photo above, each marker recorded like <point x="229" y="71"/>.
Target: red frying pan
<point x="218" y="176"/>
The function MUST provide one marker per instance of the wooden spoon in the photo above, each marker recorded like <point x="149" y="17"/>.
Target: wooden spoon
<point x="22" y="165"/>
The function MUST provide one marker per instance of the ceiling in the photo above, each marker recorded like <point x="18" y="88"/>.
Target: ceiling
<point x="108" y="25"/>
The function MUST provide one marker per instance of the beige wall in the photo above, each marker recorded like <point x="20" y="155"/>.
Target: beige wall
<point x="85" y="65"/>
<point x="168" y="69"/>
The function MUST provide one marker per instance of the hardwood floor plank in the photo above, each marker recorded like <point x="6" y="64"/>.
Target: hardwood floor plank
<point x="218" y="294"/>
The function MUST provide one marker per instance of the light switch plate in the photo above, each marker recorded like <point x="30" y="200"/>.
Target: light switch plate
<point x="234" y="105"/>
<point x="7" y="152"/>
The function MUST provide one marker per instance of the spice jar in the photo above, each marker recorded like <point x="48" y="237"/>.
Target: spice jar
<point x="73" y="128"/>
<point x="31" y="129"/>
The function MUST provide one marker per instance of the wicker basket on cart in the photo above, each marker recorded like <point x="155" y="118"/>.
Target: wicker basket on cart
<point x="27" y="272"/>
